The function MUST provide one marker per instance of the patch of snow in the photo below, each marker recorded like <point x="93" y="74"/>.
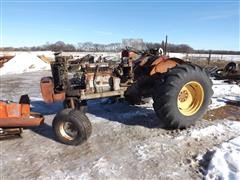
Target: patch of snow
<point x="213" y="130"/>
<point x="84" y="176"/>
<point x="105" y="168"/>
<point x="96" y="119"/>
<point x="177" y="55"/>
<point x="210" y="130"/>
<point x="224" y="92"/>
<point x="216" y="103"/>
<point x="233" y="125"/>
<point x="205" y="56"/>
<point x="142" y="152"/>
<point x="225" y="163"/>
<point x="24" y="62"/>
<point x="226" y="89"/>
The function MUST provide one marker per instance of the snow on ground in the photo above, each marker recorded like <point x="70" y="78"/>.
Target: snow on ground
<point x="24" y="62"/>
<point x="224" y="92"/>
<point x="216" y="129"/>
<point x="36" y="53"/>
<point x="225" y="162"/>
<point x="201" y="56"/>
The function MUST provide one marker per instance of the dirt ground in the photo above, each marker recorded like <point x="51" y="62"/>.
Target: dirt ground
<point x="126" y="142"/>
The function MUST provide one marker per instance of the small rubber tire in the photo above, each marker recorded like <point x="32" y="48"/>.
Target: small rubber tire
<point x="166" y="91"/>
<point x="79" y="122"/>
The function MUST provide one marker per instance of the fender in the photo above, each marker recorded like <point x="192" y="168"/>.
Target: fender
<point x="161" y="65"/>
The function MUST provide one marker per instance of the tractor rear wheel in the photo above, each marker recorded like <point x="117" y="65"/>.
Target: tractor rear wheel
<point x="182" y="95"/>
<point x="71" y="127"/>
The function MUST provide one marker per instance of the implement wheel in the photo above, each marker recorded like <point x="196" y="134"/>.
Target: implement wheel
<point x="71" y="127"/>
<point x="182" y="95"/>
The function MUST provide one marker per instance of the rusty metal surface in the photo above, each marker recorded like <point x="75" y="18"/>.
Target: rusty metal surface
<point x="46" y="86"/>
<point x="20" y="122"/>
<point x="98" y="82"/>
<point x="4" y="59"/>
<point x="103" y="94"/>
<point x="18" y="115"/>
<point x="86" y="78"/>
<point x="162" y="66"/>
<point x="58" y="97"/>
<point x="11" y="110"/>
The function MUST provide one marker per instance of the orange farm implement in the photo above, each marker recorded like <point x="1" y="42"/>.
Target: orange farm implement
<point x="15" y="116"/>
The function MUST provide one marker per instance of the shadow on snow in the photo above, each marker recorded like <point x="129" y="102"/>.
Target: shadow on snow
<point x="116" y="112"/>
<point x="124" y="113"/>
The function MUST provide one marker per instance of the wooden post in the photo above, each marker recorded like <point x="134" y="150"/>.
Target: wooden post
<point x="209" y="57"/>
<point x="165" y="47"/>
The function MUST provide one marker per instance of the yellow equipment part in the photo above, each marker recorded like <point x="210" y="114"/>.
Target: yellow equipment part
<point x="190" y="98"/>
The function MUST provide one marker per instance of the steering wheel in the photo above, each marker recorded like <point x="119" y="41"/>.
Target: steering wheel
<point x="160" y="51"/>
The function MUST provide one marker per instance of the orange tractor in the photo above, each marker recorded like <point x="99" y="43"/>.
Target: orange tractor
<point x="181" y="91"/>
<point x="15" y="116"/>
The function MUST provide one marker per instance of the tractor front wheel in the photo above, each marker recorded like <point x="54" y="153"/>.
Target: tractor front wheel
<point x="71" y="127"/>
<point x="182" y="95"/>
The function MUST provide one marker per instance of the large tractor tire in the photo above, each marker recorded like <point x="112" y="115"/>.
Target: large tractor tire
<point x="71" y="127"/>
<point x="182" y="95"/>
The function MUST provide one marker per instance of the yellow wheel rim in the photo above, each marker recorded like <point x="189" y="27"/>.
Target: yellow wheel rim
<point x="190" y="98"/>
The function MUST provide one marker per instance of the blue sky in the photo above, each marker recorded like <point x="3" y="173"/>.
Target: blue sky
<point x="201" y="24"/>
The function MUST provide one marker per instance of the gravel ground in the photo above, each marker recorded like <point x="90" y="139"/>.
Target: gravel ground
<point x="126" y="142"/>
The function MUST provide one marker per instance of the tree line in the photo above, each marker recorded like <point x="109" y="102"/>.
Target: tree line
<point x="114" y="47"/>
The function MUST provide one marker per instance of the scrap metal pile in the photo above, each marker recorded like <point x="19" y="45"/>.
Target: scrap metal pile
<point x="230" y="73"/>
